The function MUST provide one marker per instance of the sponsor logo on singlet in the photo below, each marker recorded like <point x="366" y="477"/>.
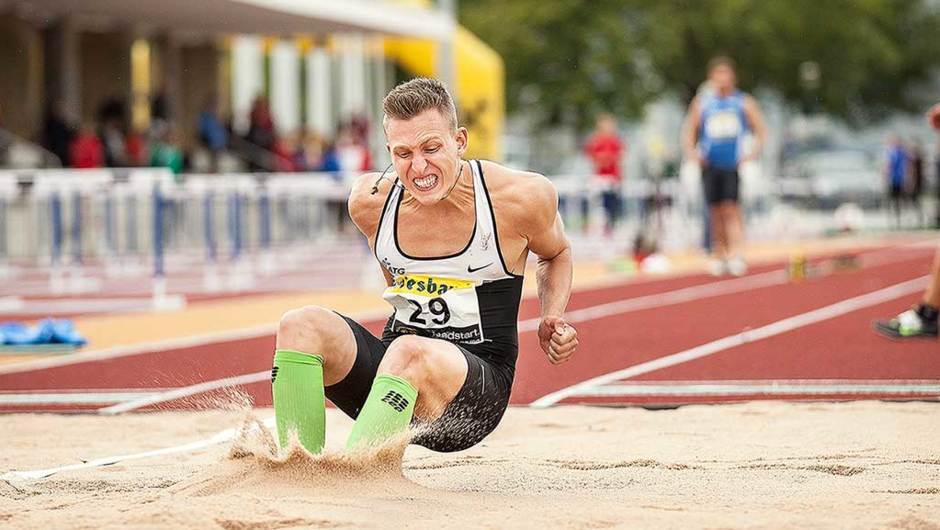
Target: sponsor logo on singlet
<point x="432" y="306"/>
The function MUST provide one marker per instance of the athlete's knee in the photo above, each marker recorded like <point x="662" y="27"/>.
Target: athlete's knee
<point x="408" y="357"/>
<point x="307" y="328"/>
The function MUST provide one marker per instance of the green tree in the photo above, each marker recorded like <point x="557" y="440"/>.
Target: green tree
<point x="565" y="60"/>
<point x="874" y="56"/>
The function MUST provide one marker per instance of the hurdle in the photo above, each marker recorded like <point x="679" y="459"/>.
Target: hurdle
<point x="152" y="184"/>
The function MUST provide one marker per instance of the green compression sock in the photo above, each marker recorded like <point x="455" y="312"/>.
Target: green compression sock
<point x="299" y="402"/>
<point x="387" y="411"/>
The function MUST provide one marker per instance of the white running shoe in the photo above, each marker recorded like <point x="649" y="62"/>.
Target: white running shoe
<point x="737" y="266"/>
<point x="715" y="267"/>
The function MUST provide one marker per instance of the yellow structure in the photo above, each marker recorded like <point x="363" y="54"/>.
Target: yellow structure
<point x="480" y="85"/>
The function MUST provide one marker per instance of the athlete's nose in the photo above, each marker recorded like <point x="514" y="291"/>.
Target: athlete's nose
<point x="419" y="164"/>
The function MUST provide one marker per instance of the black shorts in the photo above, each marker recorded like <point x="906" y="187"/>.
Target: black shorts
<point x="720" y="184"/>
<point x="470" y="417"/>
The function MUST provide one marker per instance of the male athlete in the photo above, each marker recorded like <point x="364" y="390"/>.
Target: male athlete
<point x="452" y="237"/>
<point x="717" y="121"/>
<point x="920" y="320"/>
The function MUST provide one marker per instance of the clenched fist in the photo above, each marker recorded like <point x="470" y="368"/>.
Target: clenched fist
<point x="557" y="338"/>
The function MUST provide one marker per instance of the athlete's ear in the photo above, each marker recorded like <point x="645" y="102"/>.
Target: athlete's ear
<point x="462" y="140"/>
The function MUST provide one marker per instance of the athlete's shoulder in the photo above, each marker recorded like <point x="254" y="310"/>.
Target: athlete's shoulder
<point x="366" y="199"/>
<point x="528" y="197"/>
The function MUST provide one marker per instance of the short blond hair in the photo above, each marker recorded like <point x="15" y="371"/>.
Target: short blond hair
<point x="413" y="97"/>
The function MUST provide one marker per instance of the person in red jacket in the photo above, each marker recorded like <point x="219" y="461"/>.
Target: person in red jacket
<point x="606" y="150"/>
<point x="86" y="149"/>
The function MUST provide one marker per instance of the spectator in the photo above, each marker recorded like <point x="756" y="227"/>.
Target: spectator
<point x="212" y="133"/>
<point x="351" y="149"/>
<point x="917" y="181"/>
<point x="606" y="150"/>
<point x="165" y="150"/>
<point x="329" y="162"/>
<point x="896" y="174"/>
<point x="261" y="131"/>
<point x="57" y="133"/>
<point x="86" y="149"/>
<point x="112" y="116"/>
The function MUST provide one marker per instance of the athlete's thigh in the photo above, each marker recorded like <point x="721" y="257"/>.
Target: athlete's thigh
<point x="351" y="392"/>
<point x="474" y="412"/>
<point x="443" y="364"/>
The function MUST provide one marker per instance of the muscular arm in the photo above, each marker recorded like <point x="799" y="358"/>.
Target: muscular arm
<point x="756" y="122"/>
<point x="546" y="238"/>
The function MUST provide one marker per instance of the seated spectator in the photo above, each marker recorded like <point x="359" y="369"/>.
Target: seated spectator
<point x="86" y="149"/>
<point x="57" y="133"/>
<point x="165" y="150"/>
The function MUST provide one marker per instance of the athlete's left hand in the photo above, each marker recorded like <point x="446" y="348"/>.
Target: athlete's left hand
<point x="557" y="338"/>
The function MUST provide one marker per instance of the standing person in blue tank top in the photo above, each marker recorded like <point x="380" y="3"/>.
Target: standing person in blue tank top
<point x="716" y="123"/>
<point x="452" y="237"/>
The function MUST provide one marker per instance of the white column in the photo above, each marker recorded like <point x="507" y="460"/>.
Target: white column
<point x="319" y="83"/>
<point x="285" y="87"/>
<point x="353" y="75"/>
<point x="247" y="78"/>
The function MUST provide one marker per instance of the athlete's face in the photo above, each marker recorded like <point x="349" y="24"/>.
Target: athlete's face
<point x="722" y="78"/>
<point x="426" y="153"/>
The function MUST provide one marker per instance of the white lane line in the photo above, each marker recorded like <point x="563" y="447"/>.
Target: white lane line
<point x="17" y="477"/>
<point x="767" y="388"/>
<point x="678" y="296"/>
<point x="738" y="339"/>
<point x="179" y="393"/>
<point x="205" y="339"/>
<point x="84" y="397"/>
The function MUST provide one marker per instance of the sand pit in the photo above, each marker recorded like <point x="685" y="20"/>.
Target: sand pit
<point x="856" y="465"/>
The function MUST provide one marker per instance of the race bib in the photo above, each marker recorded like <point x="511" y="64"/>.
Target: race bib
<point x="442" y="308"/>
<point x="723" y="125"/>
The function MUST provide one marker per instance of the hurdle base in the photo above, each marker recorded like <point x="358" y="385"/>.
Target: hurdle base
<point x="161" y="301"/>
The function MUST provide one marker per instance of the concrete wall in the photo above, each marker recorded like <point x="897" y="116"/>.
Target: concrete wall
<point x="105" y="70"/>
<point x="21" y="88"/>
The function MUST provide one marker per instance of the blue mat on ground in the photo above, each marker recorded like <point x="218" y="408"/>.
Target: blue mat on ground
<point x="49" y="331"/>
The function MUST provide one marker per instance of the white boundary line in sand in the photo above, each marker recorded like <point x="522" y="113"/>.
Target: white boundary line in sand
<point x="623" y="306"/>
<point x="179" y="393"/>
<point x="85" y="397"/>
<point x="765" y="388"/>
<point x="738" y="339"/>
<point x="15" y="477"/>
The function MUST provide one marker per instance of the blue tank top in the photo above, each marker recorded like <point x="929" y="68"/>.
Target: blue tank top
<point x="723" y="124"/>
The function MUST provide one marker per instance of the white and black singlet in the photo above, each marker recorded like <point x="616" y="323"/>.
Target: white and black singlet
<point x="469" y="299"/>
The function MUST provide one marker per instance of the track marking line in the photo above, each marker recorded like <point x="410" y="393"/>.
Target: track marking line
<point x="739" y="339"/>
<point x="768" y="388"/>
<point x="18" y="477"/>
<point x="685" y="294"/>
<point x="179" y="393"/>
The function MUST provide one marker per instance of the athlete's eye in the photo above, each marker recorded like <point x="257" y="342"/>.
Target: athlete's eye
<point x="434" y="149"/>
<point x="401" y="154"/>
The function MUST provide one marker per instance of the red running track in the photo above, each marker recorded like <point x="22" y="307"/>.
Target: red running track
<point x="842" y="348"/>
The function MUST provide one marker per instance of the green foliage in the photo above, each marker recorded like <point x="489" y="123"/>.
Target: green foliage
<point x="573" y="58"/>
